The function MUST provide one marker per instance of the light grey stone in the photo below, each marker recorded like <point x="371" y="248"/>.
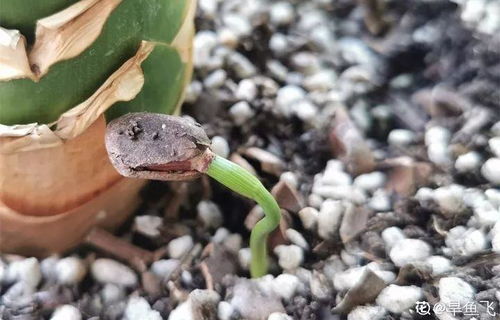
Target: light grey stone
<point x="398" y="299"/>
<point x="180" y="246"/>
<point x="110" y="271"/>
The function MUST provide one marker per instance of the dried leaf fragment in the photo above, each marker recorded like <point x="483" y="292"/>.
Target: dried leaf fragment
<point x="68" y="33"/>
<point x="365" y="291"/>
<point x="14" y="63"/>
<point x="349" y="145"/>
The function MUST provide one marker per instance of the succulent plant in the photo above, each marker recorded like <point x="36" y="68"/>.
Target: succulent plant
<point x="66" y="68"/>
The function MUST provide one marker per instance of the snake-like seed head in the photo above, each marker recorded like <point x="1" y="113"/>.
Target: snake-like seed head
<point x="158" y="147"/>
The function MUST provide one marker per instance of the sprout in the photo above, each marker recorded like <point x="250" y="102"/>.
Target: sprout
<point x="163" y="147"/>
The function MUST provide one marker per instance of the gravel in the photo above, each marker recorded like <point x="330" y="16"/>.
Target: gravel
<point x="409" y="251"/>
<point x="108" y="271"/>
<point x="276" y="76"/>
<point x="289" y="257"/>
<point x="70" y="270"/>
<point x="66" y="312"/>
<point x="180" y="246"/>
<point x="398" y="299"/>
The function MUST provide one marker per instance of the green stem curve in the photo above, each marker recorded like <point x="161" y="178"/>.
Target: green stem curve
<point x="243" y="182"/>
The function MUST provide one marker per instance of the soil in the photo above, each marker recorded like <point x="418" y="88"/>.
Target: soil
<point x="431" y="69"/>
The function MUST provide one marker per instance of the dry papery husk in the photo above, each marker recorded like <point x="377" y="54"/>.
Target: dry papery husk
<point x="56" y="181"/>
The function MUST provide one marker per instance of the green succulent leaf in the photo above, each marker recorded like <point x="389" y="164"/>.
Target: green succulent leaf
<point x="72" y="81"/>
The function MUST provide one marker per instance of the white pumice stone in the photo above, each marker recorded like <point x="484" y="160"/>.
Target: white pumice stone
<point x="193" y="91"/>
<point x="408" y="251"/>
<point x="424" y="194"/>
<point x="297" y="238"/>
<point x="305" y="110"/>
<point x="329" y="218"/>
<point x="319" y="284"/>
<point x="163" y="268"/>
<point x="244" y="258"/>
<point x="281" y="13"/>
<point x="183" y="311"/>
<point x="495" y="129"/>
<point x="238" y="23"/>
<point x="486" y="215"/>
<point x="110" y="271"/>
<point x="279" y="316"/>
<point x="347" y="279"/>
<point x="321" y="81"/>
<point x="370" y="181"/>
<point x="380" y="201"/>
<point x="475" y="198"/>
<point x="494" y="144"/>
<point x="392" y="236"/>
<point x="247" y="90"/>
<point x="309" y="217"/>
<point x="66" y="312"/>
<point x="220" y="146"/>
<point x="306" y="62"/>
<point x="350" y="259"/>
<point x="334" y="165"/>
<point x="225" y="310"/>
<point x="315" y="200"/>
<point x="290" y="178"/>
<point x="495" y="237"/>
<point x="70" y="270"/>
<point x="335" y="178"/>
<point x="3" y="271"/>
<point x="220" y="235"/>
<point x="401" y="137"/>
<point x="148" y="225"/>
<point x="204" y="42"/>
<point x="228" y="38"/>
<point x="493" y="196"/>
<point x="398" y="299"/>
<point x="367" y="313"/>
<point x="278" y="44"/>
<point x="241" y="112"/>
<point x="491" y="170"/>
<point x="349" y="193"/>
<point x="180" y="246"/>
<point x="48" y="267"/>
<point x="439" y="264"/>
<point x="285" y="285"/>
<point x="449" y="199"/>
<point x="215" y="79"/>
<point x="454" y="289"/>
<point x="209" y="214"/>
<point x="139" y="308"/>
<point x="287" y="96"/>
<point x="208" y="7"/>
<point x="26" y="271"/>
<point x="290" y="257"/>
<point x="437" y="134"/>
<point x="112" y="293"/>
<point x="438" y="153"/>
<point x="279" y="72"/>
<point x="241" y="65"/>
<point x="233" y="242"/>
<point x="464" y="241"/>
<point x="468" y="162"/>
<point x="475" y="241"/>
<point x="265" y="284"/>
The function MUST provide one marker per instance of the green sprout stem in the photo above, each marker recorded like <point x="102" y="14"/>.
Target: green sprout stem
<point x="243" y="182"/>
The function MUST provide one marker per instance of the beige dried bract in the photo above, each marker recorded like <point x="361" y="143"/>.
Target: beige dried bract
<point x="68" y="33"/>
